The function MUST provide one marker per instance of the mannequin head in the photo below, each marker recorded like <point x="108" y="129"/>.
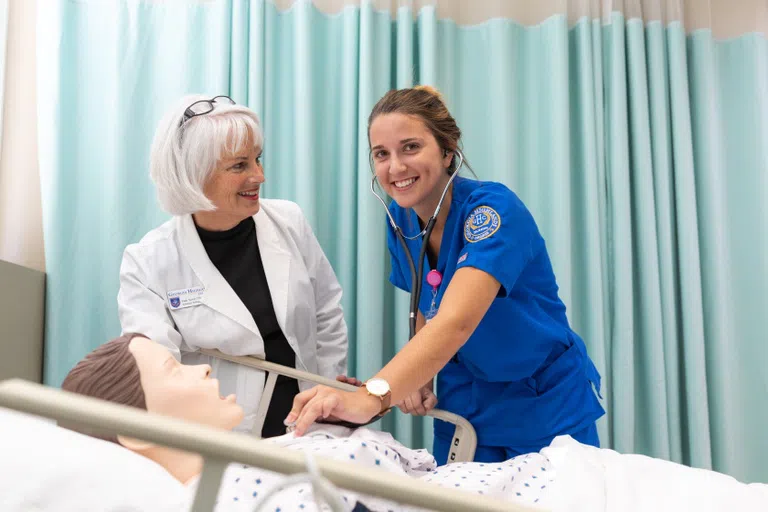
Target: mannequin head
<point x="132" y="370"/>
<point x="109" y="373"/>
<point x="135" y="371"/>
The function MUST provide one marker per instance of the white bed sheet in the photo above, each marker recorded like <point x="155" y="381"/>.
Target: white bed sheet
<point x="591" y="479"/>
<point x="44" y="467"/>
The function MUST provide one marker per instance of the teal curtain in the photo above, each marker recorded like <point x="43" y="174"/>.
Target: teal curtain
<point x="640" y="149"/>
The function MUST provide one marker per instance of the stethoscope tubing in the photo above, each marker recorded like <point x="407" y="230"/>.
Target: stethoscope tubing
<point x="417" y="276"/>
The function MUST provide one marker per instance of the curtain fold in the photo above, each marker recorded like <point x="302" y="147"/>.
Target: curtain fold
<point x="633" y="131"/>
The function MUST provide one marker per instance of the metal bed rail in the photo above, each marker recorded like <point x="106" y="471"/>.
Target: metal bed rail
<point x="219" y="447"/>
<point x="463" y="444"/>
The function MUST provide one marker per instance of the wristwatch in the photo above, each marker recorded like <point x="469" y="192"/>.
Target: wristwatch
<point x="380" y="389"/>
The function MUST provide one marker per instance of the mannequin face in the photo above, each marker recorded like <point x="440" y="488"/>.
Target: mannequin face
<point x="182" y="391"/>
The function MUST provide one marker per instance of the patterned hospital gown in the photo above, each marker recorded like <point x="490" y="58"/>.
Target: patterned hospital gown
<point x="524" y="479"/>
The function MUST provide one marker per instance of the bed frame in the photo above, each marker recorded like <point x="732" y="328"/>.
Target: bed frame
<point x="219" y="447"/>
<point x="464" y="440"/>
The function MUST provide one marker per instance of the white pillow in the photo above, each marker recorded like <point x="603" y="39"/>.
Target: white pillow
<point x="45" y="467"/>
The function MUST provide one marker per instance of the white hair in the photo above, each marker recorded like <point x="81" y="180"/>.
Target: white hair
<point x="183" y="157"/>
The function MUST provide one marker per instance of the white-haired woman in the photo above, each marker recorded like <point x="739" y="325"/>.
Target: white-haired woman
<point x="230" y="271"/>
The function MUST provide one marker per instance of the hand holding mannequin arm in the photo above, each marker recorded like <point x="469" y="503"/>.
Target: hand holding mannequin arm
<point x="468" y="297"/>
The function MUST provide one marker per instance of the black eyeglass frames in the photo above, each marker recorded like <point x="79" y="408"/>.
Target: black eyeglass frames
<point x="202" y="107"/>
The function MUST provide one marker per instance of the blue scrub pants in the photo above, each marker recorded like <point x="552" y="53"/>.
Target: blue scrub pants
<point x="501" y="453"/>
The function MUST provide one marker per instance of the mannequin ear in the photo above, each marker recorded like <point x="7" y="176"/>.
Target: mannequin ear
<point x="135" y="445"/>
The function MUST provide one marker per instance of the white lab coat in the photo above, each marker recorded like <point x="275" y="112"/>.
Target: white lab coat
<point x="306" y="295"/>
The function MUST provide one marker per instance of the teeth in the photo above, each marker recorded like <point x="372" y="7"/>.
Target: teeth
<point x="404" y="183"/>
<point x="249" y="194"/>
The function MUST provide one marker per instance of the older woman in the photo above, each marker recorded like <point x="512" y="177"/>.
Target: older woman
<point x="230" y="271"/>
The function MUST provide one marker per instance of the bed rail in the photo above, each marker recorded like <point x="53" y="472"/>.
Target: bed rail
<point x="218" y="447"/>
<point x="464" y="440"/>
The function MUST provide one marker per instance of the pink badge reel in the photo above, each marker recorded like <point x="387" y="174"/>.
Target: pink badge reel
<point x="434" y="278"/>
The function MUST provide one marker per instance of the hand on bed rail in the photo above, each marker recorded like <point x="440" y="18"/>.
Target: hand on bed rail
<point x="419" y="403"/>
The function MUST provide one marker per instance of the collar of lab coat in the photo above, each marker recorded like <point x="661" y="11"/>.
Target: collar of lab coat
<point x="219" y="295"/>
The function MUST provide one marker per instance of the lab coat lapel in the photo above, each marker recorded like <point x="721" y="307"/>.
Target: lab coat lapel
<point x="218" y="294"/>
<point x="277" y="262"/>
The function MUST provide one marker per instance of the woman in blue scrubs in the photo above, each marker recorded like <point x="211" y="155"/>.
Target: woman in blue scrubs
<point x="491" y="325"/>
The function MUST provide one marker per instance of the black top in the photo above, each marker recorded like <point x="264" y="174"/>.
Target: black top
<point x="235" y="253"/>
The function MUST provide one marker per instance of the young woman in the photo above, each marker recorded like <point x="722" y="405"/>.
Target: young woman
<point x="491" y="325"/>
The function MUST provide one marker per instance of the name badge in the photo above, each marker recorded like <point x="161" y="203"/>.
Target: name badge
<point x="186" y="297"/>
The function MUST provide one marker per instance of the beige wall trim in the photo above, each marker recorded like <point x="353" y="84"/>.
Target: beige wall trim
<point x="726" y="18"/>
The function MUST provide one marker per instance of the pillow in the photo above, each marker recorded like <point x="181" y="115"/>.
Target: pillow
<point x="45" y="467"/>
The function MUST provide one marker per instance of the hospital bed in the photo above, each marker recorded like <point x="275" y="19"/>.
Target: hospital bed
<point x="464" y="440"/>
<point x="68" y="467"/>
<point x="219" y="448"/>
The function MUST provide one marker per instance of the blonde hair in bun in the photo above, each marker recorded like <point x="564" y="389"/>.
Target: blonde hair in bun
<point x="431" y="90"/>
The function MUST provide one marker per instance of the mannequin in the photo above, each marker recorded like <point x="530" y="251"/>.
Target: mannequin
<point x="135" y="371"/>
<point x="132" y="370"/>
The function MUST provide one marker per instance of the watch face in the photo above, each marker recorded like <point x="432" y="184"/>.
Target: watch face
<point x="378" y="387"/>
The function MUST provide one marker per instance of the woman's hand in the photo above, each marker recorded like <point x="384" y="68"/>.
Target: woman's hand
<point x="420" y="402"/>
<point x="331" y="404"/>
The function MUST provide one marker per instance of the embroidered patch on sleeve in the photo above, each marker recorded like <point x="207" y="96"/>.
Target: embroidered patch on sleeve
<point x="482" y="223"/>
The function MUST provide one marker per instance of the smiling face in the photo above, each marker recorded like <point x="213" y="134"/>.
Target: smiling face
<point x="233" y="188"/>
<point x="409" y="164"/>
<point x="182" y="391"/>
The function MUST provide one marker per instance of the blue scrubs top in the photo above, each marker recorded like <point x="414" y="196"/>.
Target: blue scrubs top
<point x="524" y="375"/>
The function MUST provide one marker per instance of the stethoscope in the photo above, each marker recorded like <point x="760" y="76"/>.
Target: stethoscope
<point x="434" y="277"/>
